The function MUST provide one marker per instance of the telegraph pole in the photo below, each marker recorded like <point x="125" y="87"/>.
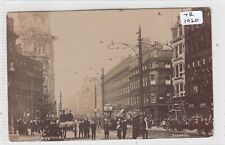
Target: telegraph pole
<point x="60" y="101"/>
<point x="140" y="64"/>
<point x="95" y="102"/>
<point x="103" y="91"/>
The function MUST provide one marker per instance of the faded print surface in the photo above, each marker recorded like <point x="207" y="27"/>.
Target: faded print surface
<point x="130" y="73"/>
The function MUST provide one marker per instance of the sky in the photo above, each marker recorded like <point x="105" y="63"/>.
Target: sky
<point x="82" y="40"/>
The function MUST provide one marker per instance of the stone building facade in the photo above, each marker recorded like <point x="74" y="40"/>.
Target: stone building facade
<point x="122" y="83"/>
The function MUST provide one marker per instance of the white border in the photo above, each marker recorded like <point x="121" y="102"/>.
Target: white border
<point x="218" y="37"/>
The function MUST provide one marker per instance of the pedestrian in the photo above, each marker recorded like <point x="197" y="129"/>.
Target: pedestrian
<point x="167" y="124"/>
<point x="15" y="125"/>
<point x="144" y="126"/>
<point x="99" y="124"/>
<point x="206" y="128"/>
<point x="75" y="129"/>
<point x="32" y="127"/>
<point x="93" y="130"/>
<point x="20" y="126"/>
<point x="81" y="129"/>
<point x="86" y="128"/>
<point x="124" y="128"/>
<point x="106" y="129"/>
<point x="25" y="126"/>
<point x="119" y="128"/>
<point x="63" y="116"/>
<point x="164" y="124"/>
<point x="65" y="130"/>
<point x="200" y="126"/>
<point x="150" y="123"/>
<point x="136" y="127"/>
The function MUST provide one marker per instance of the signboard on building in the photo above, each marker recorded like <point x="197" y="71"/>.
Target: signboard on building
<point x="108" y="107"/>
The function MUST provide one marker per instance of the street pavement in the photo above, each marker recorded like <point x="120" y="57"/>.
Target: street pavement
<point x="154" y="133"/>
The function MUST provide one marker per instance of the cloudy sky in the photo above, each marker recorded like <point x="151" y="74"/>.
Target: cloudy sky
<point x="81" y="47"/>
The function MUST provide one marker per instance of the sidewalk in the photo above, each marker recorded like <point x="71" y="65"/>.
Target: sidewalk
<point x="17" y="137"/>
<point x="185" y="131"/>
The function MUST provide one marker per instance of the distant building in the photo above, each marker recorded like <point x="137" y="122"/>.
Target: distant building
<point x="177" y="109"/>
<point x="37" y="43"/>
<point x="198" y="67"/>
<point x="25" y="81"/>
<point x="84" y="102"/>
<point x="122" y="83"/>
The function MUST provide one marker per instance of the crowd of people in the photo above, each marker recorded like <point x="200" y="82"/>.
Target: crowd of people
<point x="28" y="127"/>
<point x="86" y="128"/>
<point x="83" y="127"/>
<point x="203" y="126"/>
<point x="121" y="127"/>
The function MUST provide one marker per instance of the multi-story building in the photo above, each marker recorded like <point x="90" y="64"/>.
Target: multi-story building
<point x="122" y="83"/>
<point x="177" y="109"/>
<point x="37" y="43"/>
<point x="25" y="81"/>
<point x="198" y="67"/>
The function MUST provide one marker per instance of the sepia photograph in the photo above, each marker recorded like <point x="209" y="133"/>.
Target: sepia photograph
<point x="111" y="74"/>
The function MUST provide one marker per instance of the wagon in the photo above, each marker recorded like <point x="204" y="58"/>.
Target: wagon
<point x="52" y="132"/>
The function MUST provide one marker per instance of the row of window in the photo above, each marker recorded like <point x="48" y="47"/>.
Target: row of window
<point x="148" y="98"/>
<point x="136" y="84"/>
<point x="153" y="65"/>
<point x="199" y="62"/>
<point x="24" y="65"/>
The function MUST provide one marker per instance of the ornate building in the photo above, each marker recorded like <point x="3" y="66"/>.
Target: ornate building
<point x="198" y="67"/>
<point x="177" y="109"/>
<point x="37" y="43"/>
<point x="25" y="81"/>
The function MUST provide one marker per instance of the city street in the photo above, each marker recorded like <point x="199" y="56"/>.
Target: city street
<point x="120" y="72"/>
<point x="154" y="133"/>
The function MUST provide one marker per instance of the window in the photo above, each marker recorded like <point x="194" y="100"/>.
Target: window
<point x="152" y="76"/>
<point x="180" y="49"/>
<point x="152" y="65"/>
<point x="188" y="65"/>
<point x="181" y="70"/>
<point x="193" y="64"/>
<point x="176" y="52"/>
<point x="174" y="33"/>
<point x="198" y="62"/>
<point x="152" y="79"/>
<point x="167" y="80"/>
<point x="145" y="81"/>
<point x="177" y="89"/>
<point x="176" y="71"/>
<point x="144" y="68"/>
<point x="167" y="65"/>
<point x="195" y="89"/>
<point x="153" y="97"/>
<point x="145" y="99"/>
<point x="181" y="87"/>
<point x="203" y="61"/>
